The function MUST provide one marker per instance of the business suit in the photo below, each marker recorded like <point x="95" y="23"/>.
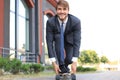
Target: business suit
<point x="72" y="38"/>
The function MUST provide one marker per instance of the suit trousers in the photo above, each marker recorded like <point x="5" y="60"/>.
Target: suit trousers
<point x="68" y="55"/>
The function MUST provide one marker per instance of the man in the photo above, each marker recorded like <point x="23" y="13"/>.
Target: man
<point x="70" y="41"/>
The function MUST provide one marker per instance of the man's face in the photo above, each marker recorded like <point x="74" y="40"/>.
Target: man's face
<point x="62" y="12"/>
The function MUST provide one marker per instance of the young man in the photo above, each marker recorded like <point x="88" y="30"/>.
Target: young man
<point x="65" y="47"/>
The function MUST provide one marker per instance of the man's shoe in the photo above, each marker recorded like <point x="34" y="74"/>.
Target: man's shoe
<point x="68" y="70"/>
<point x="63" y="69"/>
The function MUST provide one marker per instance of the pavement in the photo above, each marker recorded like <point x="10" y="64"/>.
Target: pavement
<point x="108" y="75"/>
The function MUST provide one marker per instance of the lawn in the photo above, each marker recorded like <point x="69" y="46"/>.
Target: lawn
<point x="22" y="76"/>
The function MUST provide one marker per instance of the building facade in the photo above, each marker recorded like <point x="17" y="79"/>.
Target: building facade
<point x="23" y="25"/>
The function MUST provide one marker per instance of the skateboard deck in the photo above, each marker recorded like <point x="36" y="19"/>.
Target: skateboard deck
<point x="64" y="76"/>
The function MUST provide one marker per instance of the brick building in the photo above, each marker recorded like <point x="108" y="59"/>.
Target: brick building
<point x="22" y="27"/>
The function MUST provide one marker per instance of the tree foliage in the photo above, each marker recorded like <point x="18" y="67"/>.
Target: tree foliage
<point x="104" y="59"/>
<point x="89" y="56"/>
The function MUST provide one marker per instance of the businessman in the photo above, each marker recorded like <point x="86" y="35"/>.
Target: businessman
<point x="63" y="36"/>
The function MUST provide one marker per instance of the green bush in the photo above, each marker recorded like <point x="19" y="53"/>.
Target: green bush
<point x="7" y="65"/>
<point x="15" y="66"/>
<point x="37" y="68"/>
<point x="82" y="69"/>
<point x="25" y="68"/>
<point x="2" y="62"/>
<point x="31" y="68"/>
<point x="49" y="67"/>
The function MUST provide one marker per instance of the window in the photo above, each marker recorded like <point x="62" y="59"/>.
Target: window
<point x="19" y="27"/>
<point x="12" y="24"/>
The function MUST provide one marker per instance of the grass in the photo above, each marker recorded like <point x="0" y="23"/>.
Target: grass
<point x="22" y="76"/>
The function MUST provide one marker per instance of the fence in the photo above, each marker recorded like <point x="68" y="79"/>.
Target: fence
<point x="24" y="56"/>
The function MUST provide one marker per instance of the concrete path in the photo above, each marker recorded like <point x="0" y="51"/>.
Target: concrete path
<point x="109" y="75"/>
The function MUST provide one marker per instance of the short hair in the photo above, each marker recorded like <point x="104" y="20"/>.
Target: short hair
<point x="62" y="3"/>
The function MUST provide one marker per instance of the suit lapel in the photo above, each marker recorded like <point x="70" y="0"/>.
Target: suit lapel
<point x="67" y="25"/>
<point x="57" y="24"/>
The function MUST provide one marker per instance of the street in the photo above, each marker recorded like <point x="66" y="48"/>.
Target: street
<point x="108" y="75"/>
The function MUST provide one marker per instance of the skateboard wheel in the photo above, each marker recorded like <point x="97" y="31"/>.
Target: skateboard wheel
<point x="57" y="77"/>
<point x="73" y="76"/>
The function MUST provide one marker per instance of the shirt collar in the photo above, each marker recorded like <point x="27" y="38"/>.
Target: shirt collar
<point x="64" y="21"/>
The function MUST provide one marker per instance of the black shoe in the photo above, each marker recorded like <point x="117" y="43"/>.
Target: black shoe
<point x="68" y="70"/>
<point x="73" y="76"/>
<point x="63" y="69"/>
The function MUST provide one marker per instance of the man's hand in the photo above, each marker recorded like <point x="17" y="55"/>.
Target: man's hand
<point x="56" y="67"/>
<point x="73" y="67"/>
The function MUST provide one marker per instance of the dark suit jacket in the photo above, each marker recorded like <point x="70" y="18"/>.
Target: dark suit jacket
<point x="72" y="35"/>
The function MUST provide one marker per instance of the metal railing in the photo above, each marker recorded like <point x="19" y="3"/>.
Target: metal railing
<point x="24" y="56"/>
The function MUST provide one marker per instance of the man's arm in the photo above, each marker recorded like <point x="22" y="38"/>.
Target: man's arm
<point x="49" y="39"/>
<point x="76" y="39"/>
<point x="76" y="46"/>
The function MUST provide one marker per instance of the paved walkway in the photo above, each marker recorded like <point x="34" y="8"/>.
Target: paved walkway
<point x="109" y="75"/>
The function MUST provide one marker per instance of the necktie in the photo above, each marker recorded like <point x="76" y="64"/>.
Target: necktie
<point x="62" y="43"/>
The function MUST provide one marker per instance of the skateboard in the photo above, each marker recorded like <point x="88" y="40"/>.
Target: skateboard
<point x="64" y="76"/>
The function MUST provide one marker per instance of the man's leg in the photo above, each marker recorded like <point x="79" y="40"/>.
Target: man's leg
<point x="61" y="63"/>
<point x="69" y="55"/>
<point x="68" y="60"/>
<point x="61" y="66"/>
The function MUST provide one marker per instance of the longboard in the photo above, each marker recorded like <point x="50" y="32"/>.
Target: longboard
<point x="64" y="76"/>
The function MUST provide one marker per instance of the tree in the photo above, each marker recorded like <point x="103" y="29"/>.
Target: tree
<point x="104" y="59"/>
<point x="89" y="56"/>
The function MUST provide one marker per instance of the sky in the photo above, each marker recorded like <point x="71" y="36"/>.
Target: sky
<point x="100" y="22"/>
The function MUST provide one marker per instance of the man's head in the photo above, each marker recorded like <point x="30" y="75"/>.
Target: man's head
<point x="62" y="9"/>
